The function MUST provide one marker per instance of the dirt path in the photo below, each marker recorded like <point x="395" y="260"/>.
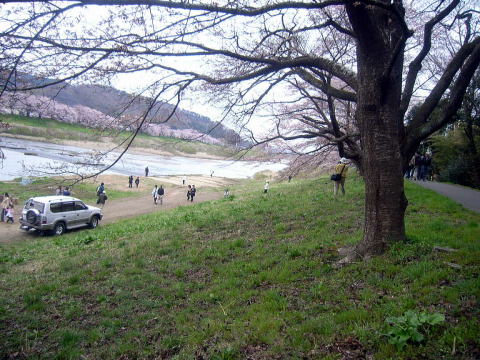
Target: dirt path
<point x="116" y="210"/>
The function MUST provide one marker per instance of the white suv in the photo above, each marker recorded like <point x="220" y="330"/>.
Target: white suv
<point x="58" y="213"/>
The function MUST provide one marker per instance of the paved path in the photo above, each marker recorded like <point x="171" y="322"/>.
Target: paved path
<point x="469" y="198"/>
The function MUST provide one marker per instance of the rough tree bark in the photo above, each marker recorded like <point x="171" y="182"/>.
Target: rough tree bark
<point x="378" y="116"/>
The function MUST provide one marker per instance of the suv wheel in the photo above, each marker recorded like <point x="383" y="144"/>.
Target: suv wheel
<point x="59" y="228"/>
<point x="94" y="222"/>
<point x="31" y="216"/>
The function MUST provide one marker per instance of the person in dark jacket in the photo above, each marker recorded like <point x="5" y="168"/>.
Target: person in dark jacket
<point x="102" y="198"/>
<point x="193" y="191"/>
<point x="137" y="181"/>
<point x="130" y="181"/>
<point x="161" y="193"/>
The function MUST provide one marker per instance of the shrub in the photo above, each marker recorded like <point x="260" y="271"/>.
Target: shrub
<point x="411" y="326"/>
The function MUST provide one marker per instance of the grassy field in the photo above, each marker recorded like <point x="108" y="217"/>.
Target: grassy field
<point x="252" y="277"/>
<point x="53" y="131"/>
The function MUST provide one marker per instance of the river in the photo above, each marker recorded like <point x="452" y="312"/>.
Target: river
<point x="26" y="158"/>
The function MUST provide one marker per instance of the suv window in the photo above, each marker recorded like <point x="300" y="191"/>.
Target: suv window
<point x="31" y="204"/>
<point x="62" y="207"/>
<point x="56" y="207"/>
<point x="80" y="205"/>
<point x="68" y="206"/>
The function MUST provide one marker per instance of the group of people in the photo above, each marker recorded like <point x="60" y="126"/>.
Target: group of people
<point x="420" y="167"/>
<point x="137" y="180"/>
<point x="191" y="192"/>
<point x="63" y="191"/>
<point x="7" y="214"/>
<point x="158" y="193"/>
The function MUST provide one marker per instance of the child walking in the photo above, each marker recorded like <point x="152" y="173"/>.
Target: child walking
<point x="10" y="215"/>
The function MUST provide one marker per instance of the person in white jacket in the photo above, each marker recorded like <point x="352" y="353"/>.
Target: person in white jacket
<point x="266" y="187"/>
<point x="155" y="194"/>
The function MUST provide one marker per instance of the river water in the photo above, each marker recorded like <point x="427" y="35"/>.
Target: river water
<point x="25" y="158"/>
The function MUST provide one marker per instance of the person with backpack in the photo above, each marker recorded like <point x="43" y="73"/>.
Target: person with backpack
<point x="102" y="198"/>
<point x="100" y="188"/>
<point x="161" y="193"/>
<point x="339" y="176"/>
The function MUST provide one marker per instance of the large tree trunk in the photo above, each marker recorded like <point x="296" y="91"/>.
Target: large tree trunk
<point x="380" y="123"/>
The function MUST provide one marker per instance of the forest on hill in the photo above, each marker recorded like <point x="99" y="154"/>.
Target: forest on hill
<point x="104" y="106"/>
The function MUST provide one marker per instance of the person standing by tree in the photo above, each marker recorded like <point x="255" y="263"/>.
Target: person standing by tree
<point x="130" y="181"/>
<point x="137" y="181"/>
<point x="161" y="193"/>
<point x="146" y="171"/>
<point x="340" y="169"/>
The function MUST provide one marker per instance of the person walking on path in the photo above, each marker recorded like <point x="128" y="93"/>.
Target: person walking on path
<point x="6" y="203"/>
<point x="189" y="192"/>
<point x="155" y="194"/>
<point x="102" y="198"/>
<point x="161" y="193"/>
<point x="130" y="181"/>
<point x="427" y="167"/>
<point x="340" y="169"/>
<point x="146" y="171"/>
<point x="137" y="182"/>
<point x="100" y="188"/>
<point x="9" y="215"/>
<point x="184" y="180"/>
<point x="193" y="191"/>
<point x="266" y="187"/>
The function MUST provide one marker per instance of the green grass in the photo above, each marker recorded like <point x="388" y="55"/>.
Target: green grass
<point x="53" y="131"/>
<point x="250" y="276"/>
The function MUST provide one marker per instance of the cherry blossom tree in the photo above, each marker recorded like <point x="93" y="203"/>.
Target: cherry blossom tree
<point x="360" y="64"/>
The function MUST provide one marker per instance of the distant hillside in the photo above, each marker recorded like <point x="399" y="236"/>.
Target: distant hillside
<point x="116" y="104"/>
